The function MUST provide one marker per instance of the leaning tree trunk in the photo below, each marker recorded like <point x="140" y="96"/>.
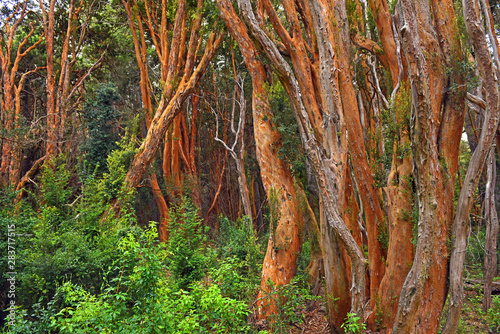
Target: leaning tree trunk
<point x="166" y="113"/>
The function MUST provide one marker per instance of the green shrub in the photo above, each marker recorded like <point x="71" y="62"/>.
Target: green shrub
<point x="143" y="298"/>
<point x="237" y="239"/>
<point x="291" y="300"/>
<point x="353" y="325"/>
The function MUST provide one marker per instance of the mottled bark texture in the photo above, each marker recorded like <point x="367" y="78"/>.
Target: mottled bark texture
<point x="431" y="47"/>
<point x="315" y="99"/>
<point x="285" y="239"/>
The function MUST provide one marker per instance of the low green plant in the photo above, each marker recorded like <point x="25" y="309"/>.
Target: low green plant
<point x="291" y="300"/>
<point x="353" y="325"/>
<point x="145" y="299"/>
<point x="237" y="239"/>
<point x="493" y="314"/>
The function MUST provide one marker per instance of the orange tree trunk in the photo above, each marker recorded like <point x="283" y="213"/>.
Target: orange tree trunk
<point x="399" y="187"/>
<point x="488" y="68"/>
<point x="315" y="96"/>
<point x="10" y="98"/>
<point x="178" y="72"/>
<point x="280" y="262"/>
<point x="430" y="46"/>
<point x="166" y="113"/>
<point x="60" y="94"/>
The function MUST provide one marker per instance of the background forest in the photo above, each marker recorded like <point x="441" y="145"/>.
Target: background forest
<point x="267" y="166"/>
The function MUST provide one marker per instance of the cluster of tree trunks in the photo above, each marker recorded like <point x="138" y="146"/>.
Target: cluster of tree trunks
<point x="407" y="286"/>
<point x="62" y="97"/>
<point x="363" y="238"/>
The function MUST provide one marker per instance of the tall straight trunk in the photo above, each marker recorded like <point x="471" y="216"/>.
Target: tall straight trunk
<point x="52" y="119"/>
<point x="60" y="94"/>
<point x="285" y="240"/>
<point x="398" y="198"/>
<point x="491" y="217"/>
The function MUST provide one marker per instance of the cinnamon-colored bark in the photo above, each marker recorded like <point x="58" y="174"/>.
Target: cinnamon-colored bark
<point x="280" y="262"/>
<point x="11" y="98"/>
<point x="325" y="146"/>
<point x="59" y="94"/>
<point x="399" y="187"/>
<point x="434" y="135"/>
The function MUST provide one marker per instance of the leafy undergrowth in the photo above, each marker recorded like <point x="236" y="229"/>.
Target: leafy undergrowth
<point x="474" y="320"/>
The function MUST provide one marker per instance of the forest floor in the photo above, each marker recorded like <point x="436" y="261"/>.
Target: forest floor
<point x="315" y="321"/>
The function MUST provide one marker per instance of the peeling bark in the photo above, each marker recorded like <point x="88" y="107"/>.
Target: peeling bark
<point x="328" y="157"/>
<point x="437" y="120"/>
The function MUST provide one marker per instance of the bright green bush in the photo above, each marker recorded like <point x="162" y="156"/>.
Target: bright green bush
<point x="353" y="324"/>
<point x="143" y="299"/>
<point x="291" y="300"/>
<point x="83" y="270"/>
